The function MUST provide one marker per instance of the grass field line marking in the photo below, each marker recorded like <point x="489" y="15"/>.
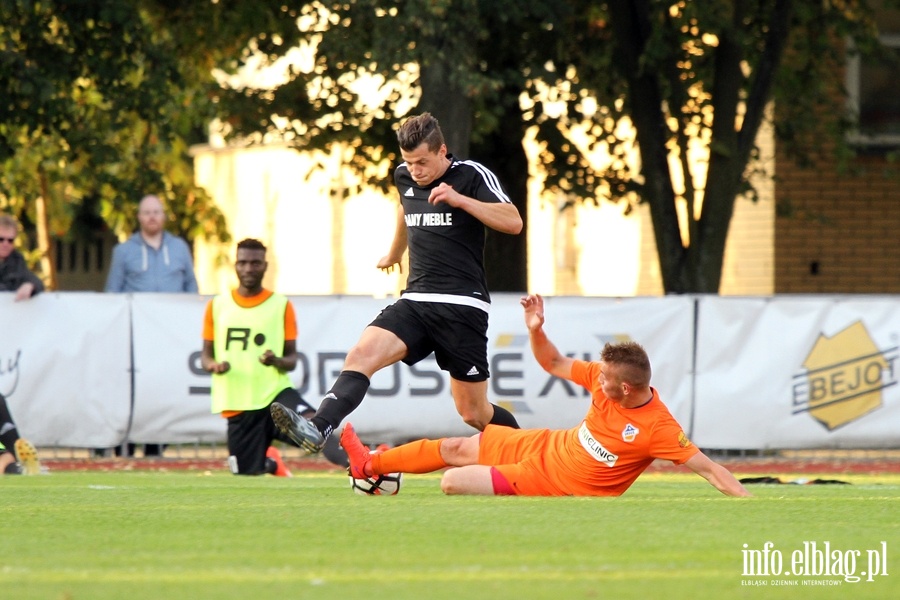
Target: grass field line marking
<point x="314" y="577"/>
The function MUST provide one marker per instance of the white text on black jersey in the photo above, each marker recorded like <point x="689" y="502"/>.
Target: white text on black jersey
<point x="428" y="219"/>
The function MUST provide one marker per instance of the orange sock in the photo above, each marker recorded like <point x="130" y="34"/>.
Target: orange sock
<point x="421" y="456"/>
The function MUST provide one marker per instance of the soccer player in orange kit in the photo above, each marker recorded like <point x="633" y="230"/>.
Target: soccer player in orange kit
<point x="626" y="428"/>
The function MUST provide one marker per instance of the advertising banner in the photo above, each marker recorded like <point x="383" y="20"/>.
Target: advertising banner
<point x="405" y="402"/>
<point x="92" y="370"/>
<point x="797" y="372"/>
<point x="65" y="367"/>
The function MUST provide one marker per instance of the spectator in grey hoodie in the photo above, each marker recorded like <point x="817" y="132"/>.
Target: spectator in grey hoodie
<point x="14" y="273"/>
<point x="152" y="260"/>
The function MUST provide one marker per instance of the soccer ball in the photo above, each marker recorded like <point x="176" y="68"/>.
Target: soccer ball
<point x="378" y="485"/>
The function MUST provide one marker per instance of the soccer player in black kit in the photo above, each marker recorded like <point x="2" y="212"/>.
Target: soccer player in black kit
<point x="445" y="205"/>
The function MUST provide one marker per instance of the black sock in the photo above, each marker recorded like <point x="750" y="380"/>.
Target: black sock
<point x="270" y="466"/>
<point x="503" y="417"/>
<point x="9" y="436"/>
<point x="345" y="395"/>
<point x="8" y="433"/>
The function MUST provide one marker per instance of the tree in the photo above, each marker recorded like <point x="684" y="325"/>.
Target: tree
<point x="122" y="88"/>
<point x="95" y="112"/>
<point x="441" y="57"/>
<point x="679" y="72"/>
<point x="689" y="71"/>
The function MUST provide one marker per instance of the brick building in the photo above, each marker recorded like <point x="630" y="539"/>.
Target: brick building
<point x="839" y="233"/>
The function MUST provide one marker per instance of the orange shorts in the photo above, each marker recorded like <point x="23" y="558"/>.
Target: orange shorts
<point x="517" y="454"/>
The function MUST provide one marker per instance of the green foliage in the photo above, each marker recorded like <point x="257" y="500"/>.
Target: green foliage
<point x="692" y="72"/>
<point x="97" y="110"/>
<point x="366" y="73"/>
<point x="677" y="72"/>
<point x="185" y="535"/>
<point x="120" y="89"/>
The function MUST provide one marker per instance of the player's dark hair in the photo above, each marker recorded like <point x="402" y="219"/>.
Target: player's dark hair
<point x="419" y="129"/>
<point x="251" y="244"/>
<point x="631" y="359"/>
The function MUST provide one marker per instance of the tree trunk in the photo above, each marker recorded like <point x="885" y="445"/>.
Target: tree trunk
<point x="723" y="175"/>
<point x="452" y="108"/>
<point x="631" y="28"/>
<point x="48" y="266"/>
<point x="506" y="256"/>
<point x="503" y="153"/>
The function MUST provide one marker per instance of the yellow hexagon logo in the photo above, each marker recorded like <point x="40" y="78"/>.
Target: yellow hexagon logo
<point x="844" y="377"/>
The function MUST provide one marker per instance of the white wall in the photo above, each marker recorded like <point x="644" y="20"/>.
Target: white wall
<point x="327" y="232"/>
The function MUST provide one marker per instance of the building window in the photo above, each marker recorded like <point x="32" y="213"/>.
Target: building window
<point x="874" y="88"/>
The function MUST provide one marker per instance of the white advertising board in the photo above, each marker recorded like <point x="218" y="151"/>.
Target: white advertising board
<point x="798" y="372"/>
<point x="91" y="370"/>
<point x="65" y="362"/>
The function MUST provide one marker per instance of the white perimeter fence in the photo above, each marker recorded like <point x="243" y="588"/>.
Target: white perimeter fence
<point x="86" y="370"/>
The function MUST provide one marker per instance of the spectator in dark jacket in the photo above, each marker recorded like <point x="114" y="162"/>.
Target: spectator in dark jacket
<point x="14" y="273"/>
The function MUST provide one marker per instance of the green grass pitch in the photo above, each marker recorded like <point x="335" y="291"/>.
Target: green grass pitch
<point x="190" y="535"/>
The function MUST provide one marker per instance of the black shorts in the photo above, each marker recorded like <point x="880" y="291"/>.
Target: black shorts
<point x="250" y="433"/>
<point x="457" y="335"/>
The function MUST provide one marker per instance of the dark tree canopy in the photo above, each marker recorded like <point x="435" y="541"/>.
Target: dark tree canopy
<point x="676" y="71"/>
<point x="100" y="100"/>
<point x="97" y="108"/>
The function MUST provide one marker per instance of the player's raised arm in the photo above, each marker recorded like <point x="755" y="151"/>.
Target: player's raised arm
<point x="546" y="353"/>
<point x="287" y="362"/>
<point x="208" y="359"/>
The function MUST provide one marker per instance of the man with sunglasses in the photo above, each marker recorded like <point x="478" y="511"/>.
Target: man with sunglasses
<point x="14" y="273"/>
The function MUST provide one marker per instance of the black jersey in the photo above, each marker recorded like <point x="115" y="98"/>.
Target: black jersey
<point x="446" y="244"/>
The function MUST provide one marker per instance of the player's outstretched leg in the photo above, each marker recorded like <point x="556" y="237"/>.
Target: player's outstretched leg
<point x="357" y="452"/>
<point x="28" y="457"/>
<point x="299" y="430"/>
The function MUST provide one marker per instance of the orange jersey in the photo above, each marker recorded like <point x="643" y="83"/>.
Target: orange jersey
<point x="600" y="457"/>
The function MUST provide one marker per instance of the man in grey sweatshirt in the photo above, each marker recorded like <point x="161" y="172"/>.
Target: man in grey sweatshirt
<point x="152" y="260"/>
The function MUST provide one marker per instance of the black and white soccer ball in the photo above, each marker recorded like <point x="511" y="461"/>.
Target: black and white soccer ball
<point x="377" y="485"/>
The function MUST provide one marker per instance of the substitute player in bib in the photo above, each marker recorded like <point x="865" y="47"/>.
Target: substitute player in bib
<point x="445" y="205"/>
<point x="626" y="428"/>
<point x="242" y="331"/>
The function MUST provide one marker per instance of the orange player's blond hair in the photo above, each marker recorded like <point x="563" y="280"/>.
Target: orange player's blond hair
<point x="631" y="360"/>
